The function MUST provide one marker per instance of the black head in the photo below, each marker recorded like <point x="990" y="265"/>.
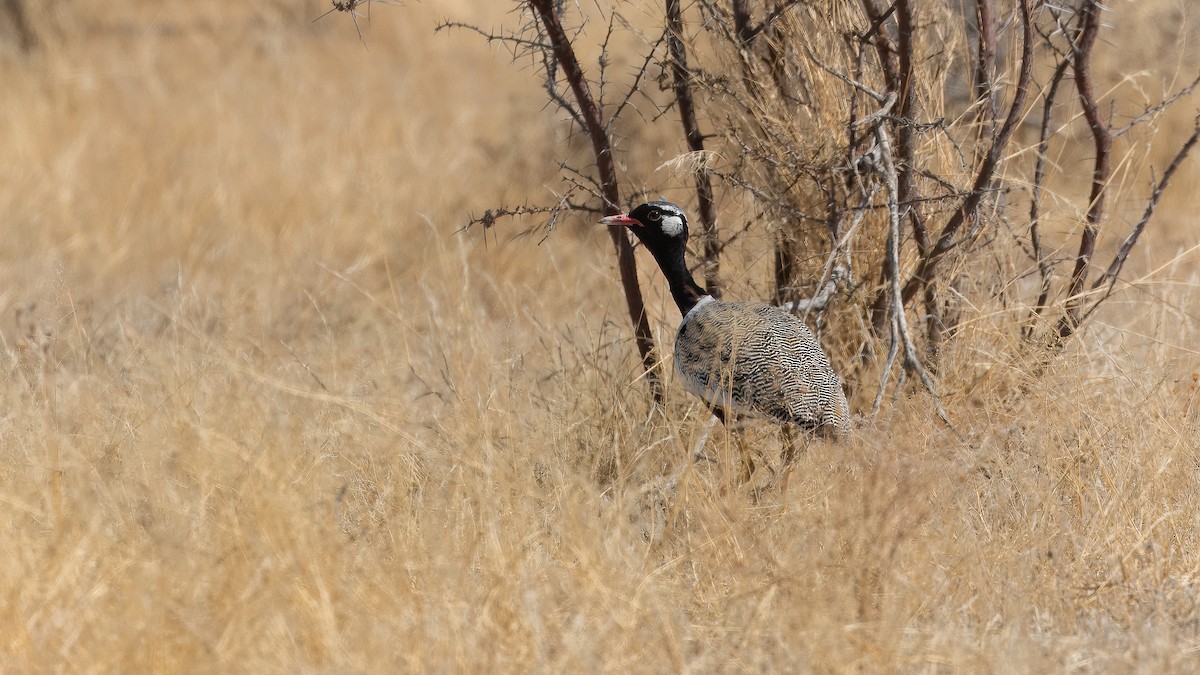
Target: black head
<point x="662" y="228"/>
<point x="657" y="224"/>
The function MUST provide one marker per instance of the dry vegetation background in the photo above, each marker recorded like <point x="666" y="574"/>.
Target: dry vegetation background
<point x="265" y="408"/>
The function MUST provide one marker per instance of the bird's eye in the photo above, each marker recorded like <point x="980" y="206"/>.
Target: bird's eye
<point x="654" y="216"/>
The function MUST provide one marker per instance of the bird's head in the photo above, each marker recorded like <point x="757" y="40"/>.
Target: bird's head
<point x="657" y="224"/>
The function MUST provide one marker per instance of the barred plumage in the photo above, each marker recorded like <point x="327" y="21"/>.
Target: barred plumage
<point x="740" y="356"/>
<point x="756" y="358"/>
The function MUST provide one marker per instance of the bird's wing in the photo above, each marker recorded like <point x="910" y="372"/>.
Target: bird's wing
<point x="758" y="358"/>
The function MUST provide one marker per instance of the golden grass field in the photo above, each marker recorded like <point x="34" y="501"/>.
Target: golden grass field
<point x="267" y="408"/>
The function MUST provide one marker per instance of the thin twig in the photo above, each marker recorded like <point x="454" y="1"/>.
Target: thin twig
<point x="1109" y="276"/>
<point x="1157" y="108"/>
<point x="636" y="86"/>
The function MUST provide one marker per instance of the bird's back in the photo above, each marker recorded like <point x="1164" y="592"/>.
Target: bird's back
<point x="757" y="358"/>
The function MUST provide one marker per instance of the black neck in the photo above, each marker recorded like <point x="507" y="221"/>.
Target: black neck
<point x="684" y="288"/>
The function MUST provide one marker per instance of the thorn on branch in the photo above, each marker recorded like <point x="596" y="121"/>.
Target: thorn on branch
<point x="510" y="39"/>
<point x="491" y="217"/>
<point x="1158" y="107"/>
<point x="351" y="7"/>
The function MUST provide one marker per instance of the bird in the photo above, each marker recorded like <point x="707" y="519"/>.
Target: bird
<point x="740" y="357"/>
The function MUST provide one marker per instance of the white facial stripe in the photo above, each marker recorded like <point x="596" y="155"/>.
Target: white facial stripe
<point x="672" y="225"/>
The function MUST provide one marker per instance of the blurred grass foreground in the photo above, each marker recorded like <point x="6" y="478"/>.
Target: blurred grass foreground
<point x="269" y="407"/>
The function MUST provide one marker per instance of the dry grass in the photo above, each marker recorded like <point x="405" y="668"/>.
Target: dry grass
<point x="266" y="410"/>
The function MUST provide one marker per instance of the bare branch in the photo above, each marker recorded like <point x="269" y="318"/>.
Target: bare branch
<point x="518" y="45"/>
<point x="899" y="331"/>
<point x="1081" y="56"/>
<point x="695" y="143"/>
<point x="884" y="49"/>
<point x="547" y="13"/>
<point x="492" y="216"/>
<point x="820" y="300"/>
<point x="1158" y="107"/>
<point x="1035" y="199"/>
<point x="748" y="34"/>
<point x="510" y="39"/>
<point x="987" y="170"/>
<point x="636" y="86"/>
<point x="834" y="274"/>
<point x="985" y="64"/>
<point x="880" y="98"/>
<point x="1109" y="276"/>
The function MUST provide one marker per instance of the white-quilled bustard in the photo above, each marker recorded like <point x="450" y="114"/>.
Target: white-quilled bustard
<point x="740" y="357"/>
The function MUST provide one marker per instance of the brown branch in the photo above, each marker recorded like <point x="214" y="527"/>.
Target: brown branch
<point x="741" y="21"/>
<point x="741" y="18"/>
<point x="695" y="143"/>
<point x="1081" y="56"/>
<point x="985" y="65"/>
<point x="547" y="12"/>
<point x="948" y="239"/>
<point x="1109" y="276"/>
<point x="785" y="264"/>
<point x="491" y="217"/>
<point x="906" y="160"/>
<point x="636" y="86"/>
<point x="1035" y="199"/>
<point x="906" y="133"/>
<point x="878" y="37"/>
